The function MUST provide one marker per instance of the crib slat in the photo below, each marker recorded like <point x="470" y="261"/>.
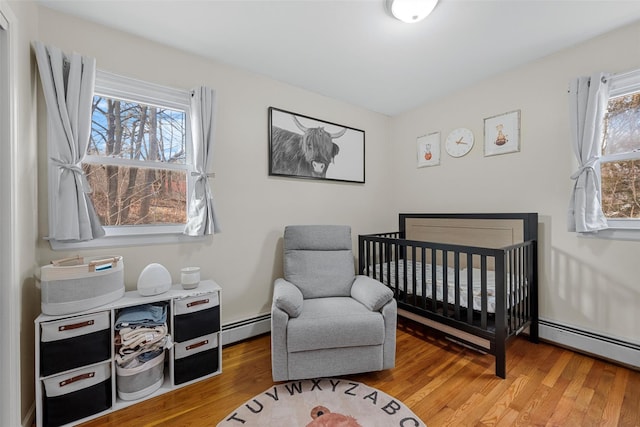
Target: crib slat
<point x="370" y="259"/>
<point x="483" y="291"/>
<point x="470" y="289"/>
<point x="456" y="290"/>
<point x="445" y="283"/>
<point x="413" y="274"/>
<point x="396" y="259"/>
<point x="525" y="283"/>
<point x="510" y="291"/>
<point x="434" y="281"/>
<point x="423" y="278"/>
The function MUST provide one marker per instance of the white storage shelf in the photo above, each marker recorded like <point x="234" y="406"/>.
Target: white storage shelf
<point x="204" y="301"/>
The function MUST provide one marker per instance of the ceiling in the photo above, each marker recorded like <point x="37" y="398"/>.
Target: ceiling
<point x="352" y="50"/>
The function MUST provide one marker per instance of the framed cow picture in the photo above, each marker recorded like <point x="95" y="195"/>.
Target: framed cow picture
<point x="304" y="147"/>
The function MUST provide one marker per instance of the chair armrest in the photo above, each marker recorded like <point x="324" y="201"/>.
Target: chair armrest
<point x="287" y="297"/>
<point x="371" y="293"/>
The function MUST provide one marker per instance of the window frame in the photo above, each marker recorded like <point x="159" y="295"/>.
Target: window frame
<point x="134" y="90"/>
<point x="620" y="228"/>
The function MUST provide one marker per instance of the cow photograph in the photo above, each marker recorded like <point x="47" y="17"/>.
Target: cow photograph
<point x="304" y="147"/>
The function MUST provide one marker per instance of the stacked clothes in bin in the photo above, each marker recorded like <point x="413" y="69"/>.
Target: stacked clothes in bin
<point x="141" y="338"/>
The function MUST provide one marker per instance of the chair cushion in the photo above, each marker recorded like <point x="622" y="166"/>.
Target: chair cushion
<point x="318" y="259"/>
<point x="334" y="323"/>
<point x="317" y="237"/>
<point x="320" y="274"/>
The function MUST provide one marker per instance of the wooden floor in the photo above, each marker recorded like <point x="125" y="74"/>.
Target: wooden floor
<point x="444" y="383"/>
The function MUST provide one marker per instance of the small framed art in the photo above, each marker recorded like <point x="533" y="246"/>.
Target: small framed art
<point x="502" y="133"/>
<point x="428" y="149"/>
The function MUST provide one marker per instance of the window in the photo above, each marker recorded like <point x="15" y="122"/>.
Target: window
<point x="138" y="162"/>
<point x="620" y="160"/>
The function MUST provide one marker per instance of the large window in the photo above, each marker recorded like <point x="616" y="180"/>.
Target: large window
<point x="620" y="161"/>
<point x="138" y="162"/>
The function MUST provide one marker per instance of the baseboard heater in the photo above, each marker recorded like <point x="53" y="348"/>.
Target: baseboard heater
<point x="247" y="328"/>
<point x="614" y="349"/>
<point x="599" y="345"/>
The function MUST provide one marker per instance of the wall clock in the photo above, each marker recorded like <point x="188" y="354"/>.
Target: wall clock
<point x="459" y="142"/>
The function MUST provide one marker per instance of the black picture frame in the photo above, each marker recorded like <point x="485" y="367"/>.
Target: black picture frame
<point x="331" y="151"/>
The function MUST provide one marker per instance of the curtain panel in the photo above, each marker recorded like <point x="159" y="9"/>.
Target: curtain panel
<point x="68" y="85"/>
<point x="588" y="98"/>
<point x="202" y="217"/>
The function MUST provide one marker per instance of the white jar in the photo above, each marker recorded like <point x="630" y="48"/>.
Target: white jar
<point x="190" y="277"/>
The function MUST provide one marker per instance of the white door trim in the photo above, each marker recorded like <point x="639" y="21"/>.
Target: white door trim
<point x="10" y="390"/>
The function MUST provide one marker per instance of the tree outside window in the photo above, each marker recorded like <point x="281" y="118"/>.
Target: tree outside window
<point x="620" y="161"/>
<point x="136" y="164"/>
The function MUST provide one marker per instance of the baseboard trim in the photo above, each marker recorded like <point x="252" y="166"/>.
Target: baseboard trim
<point x="614" y="349"/>
<point x="247" y="328"/>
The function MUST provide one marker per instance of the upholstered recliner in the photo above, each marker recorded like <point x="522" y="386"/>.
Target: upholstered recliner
<point x="325" y="320"/>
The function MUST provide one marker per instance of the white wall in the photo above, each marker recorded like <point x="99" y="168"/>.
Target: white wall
<point x="591" y="284"/>
<point x="253" y="207"/>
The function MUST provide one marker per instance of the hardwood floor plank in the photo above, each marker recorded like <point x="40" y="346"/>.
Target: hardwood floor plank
<point x="548" y="405"/>
<point x="501" y="405"/>
<point x="630" y="412"/>
<point x="557" y="369"/>
<point x="599" y="400"/>
<point x="611" y="412"/>
<point x="459" y="417"/>
<point x="443" y="383"/>
<point x="508" y="419"/>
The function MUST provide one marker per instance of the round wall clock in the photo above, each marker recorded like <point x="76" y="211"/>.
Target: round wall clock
<point x="459" y="142"/>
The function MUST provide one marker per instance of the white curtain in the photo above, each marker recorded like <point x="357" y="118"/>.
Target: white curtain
<point x="202" y="218"/>
<point x="588" y="97"/>
<point x="68" y="84"/>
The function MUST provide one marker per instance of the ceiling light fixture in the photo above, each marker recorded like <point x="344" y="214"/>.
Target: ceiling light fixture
<point x="410" y="11"/>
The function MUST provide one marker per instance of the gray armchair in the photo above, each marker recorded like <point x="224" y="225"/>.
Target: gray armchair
<point x="325" y="320"/>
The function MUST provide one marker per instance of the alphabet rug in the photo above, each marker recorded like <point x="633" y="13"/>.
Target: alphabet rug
<point x="325" y="402"/>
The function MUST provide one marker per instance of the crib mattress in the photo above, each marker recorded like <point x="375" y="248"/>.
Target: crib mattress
<point x="390" y="280"/>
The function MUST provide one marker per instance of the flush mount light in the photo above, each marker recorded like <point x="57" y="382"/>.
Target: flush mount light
<point x="410" y="11"/>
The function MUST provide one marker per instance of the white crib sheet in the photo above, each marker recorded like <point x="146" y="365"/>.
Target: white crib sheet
<point x="477" y="297"/>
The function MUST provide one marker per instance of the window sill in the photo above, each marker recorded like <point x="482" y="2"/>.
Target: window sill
<point x="119" y="241"/>
<point x="614" y="234"/>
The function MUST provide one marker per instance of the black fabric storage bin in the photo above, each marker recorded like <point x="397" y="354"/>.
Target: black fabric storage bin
<point x="196" y="366"/>
<point x="73" y="342"/>
<point x="196" y="316"/>
<point x="196" y="358"/>
<point x="90" y="394"/>
<point x="189" y="326"/>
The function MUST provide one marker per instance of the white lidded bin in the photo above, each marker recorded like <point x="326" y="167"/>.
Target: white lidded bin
<point x="140" y="381"/>
<point x="72" y="285"/>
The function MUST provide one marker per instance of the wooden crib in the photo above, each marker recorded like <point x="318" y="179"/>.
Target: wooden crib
<point x="473" y="277"/>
